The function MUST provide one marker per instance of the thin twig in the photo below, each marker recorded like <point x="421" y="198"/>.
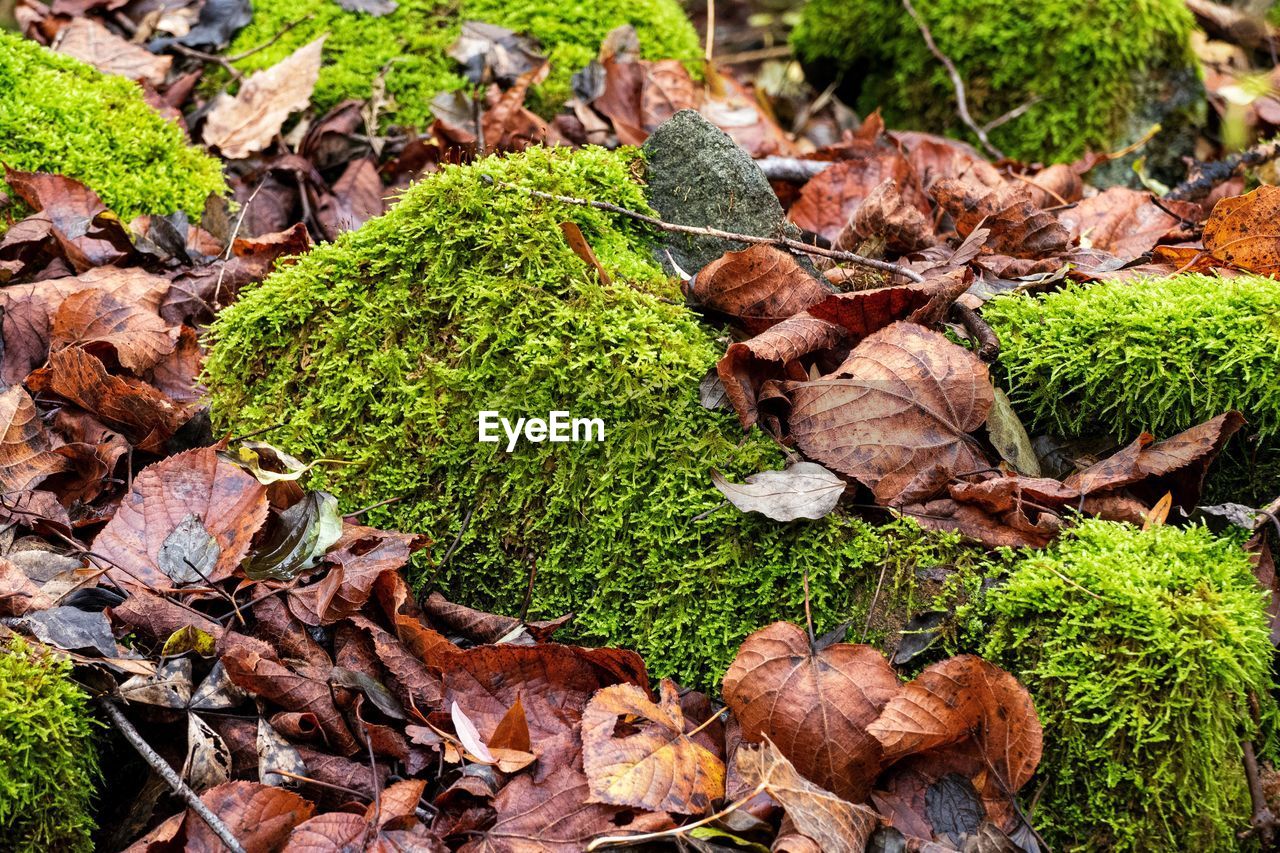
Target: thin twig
<point x="875" y="599"/>
<point x="711" y="30"/>
<point x="794" y="170"/>
<point x="171" y="778"/>
<point x="808" y="613"/>
<point x="457" y="540"/>
<point x="231" y="241"/>
<point x="962" y="102"/>
<point x="359" y="512"/>
<point x="1263" y="821"/>
<point x="275" y="38"/>
<point x="979" y="331"/>
<point x="784" y="242"/>
<point x="1016" y="112"/>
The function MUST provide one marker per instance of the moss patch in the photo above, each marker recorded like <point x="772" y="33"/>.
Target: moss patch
<point x="48" y="764"/>
<point x="381" y="348"/>
<point x="1159" y="355"/>
<point x="1086" y="60"/>
<point x="412" y="44"/>
<point x="1140" y="649"/>
<point x="60" y="115"/>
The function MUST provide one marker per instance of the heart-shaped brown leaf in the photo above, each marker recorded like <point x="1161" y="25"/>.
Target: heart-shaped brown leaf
<point x="815" y="706"/>
<point x="230" y="504"/>
<point x="635" y="753"/>
<point x="896" y="414"/>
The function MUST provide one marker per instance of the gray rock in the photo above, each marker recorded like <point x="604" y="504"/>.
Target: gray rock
<point x="697" y="175"/>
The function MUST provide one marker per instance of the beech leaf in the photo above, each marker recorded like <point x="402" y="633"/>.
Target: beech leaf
<point x="247" y="122"/>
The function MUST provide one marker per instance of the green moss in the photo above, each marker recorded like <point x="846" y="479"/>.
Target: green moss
<point x="412" y="44"/>
<point x="1140" y="649"/>
<point x="1086" y="60"/>
<point x="381" y="348"/>
<point x="59" y="115"/>
<point x="1159" y="355"/>
<point x="48" y="765"/>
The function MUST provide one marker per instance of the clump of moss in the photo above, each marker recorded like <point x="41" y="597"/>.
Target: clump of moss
<point x="1140" y="649"/>
<point x="1087" y="62"/>
<point x="1159" y="355"/>
<point x="410" y="45"/>
<point x="381" y="348"/>
<point x="60" y="115"/>
<point x="47" y="761"/>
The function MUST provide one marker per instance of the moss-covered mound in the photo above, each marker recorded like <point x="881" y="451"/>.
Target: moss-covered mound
<point x="1159" y="355"/>
<point x="48" y="765"/>
<point x="60" y="115"/>
<point x="411" y="43"/>
<point x="1140" y="650"/>
<point x="1095" y="66"/>
<point x="382" y="348"/>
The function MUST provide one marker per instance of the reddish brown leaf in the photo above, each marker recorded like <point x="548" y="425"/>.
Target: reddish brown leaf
<point x="95" y="319"/>
<point x="831" y="198"/>
<point x="357" y="197"/>
<point x="887" y="215"/>
<point x="578" y="242"/>
<point x="356" y="562"/>
<point x="475" y="625"/>
<point x="260" y="817"/>
<point x="18" y="593"/>
<point x="747" y="365"/>
<point x="935" y="158"/>
<point x="1242" y="231"/>
<point x="26" y="457"/>
<point x="1124" y="222"/>
<point x="230" y="503"/>
<point x="757" y="287"/>
<point x="84" y="231"/>
<point x="814" y="706"/>
<point x="512" y="731"/>
<point x="896" y="414"/>
<point x="156" y="617"/>
<point x="1057" y="185"/>
<point x="734" y="108"/>
<point x="652" y="764"/>
<point x="1017" y="226"/>
<point x="147" y="417"/>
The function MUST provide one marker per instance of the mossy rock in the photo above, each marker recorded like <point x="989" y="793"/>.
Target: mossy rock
<point x="59" y="115"/>
<point x="411" y="44"/>
<point x="1160" y="355"/>
<point x="1104" y="71"/>
<point x="1141" y="649"/>
<point x="381" y="348"/>
<point x="48" y="764"/>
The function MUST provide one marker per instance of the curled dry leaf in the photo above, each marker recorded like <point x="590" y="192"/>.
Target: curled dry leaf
<point x="358" y="559"/>
<point x="247" y="122"/>
<point x="757" y="287"/>
<point x="1018" y="227"/>
<point x="896" y="414"/>
<point x="26" y="455"/>
<point x="815" y="706"/>
<point x="231" y="504"/>
<point x="635" y="753"/>
<point x="801" y="490"/>
<point x="746" y="365"/>
<point x="1124" y="222"/>
<point x="830" y="821"/>
<point x="887" y="215"/>
<point x="830" y="199"/>
<point x="1242" y="231"/>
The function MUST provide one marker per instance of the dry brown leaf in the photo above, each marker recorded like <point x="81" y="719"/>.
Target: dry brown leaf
<point x="96" y="320"/>
<point x="356" y="562"/>
<point x="746" y="365"/>
<point x="960" y="698"/>
<point x="757" y="287"/>
<point x="26" y="455"/>
<point x="635" y="753"/>
<point x="230" y="503"/>
<point x="897" y="414"/>
<point x="1124" y="222"/>
<point x="830" y="199"/>
<point x="1017" y="226"/>
<point x="260" y="817"/>
<point x="832" y="822"/>
<point x="1244" y="231"/>
<point x="814" y="706"/>
<point x="240" y="125"/>
<point x="887" y="215"/>
<point x="935" y="158"/>
<point x="89" y="41"/>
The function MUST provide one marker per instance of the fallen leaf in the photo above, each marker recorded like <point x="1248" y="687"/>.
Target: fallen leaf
<point x="356" y="562"/>
<point x="815" y="706"/>
<point x="208" y="762"/>
<point x="801" y="490"/>
<point x="897" y="414"/>
<point x="757" y="287"/>
<point x="1121" y="221"/>
<point x="746" y="365"/>
<point x="240" y="125"/>
<point x="26" y="455"/>
<point x="1242" y="231"/>
<point x="260" y="817"/>
<point x="635" y="753"/>
<point x="90" y="42"/>
<point x="831" y="822"/>
<point x="829" y="200"/>
<point x="886" y="215"/>
<point x="1018" y="228"/>
<point x="230" y="504"/>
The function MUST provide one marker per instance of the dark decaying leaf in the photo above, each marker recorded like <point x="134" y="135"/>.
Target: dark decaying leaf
<point x="801" y="490"/>
<point x="814" y="706"/>
<point x="493" y="54"/>
<point x="71" y="629"/>
<point x="356" y="561"/>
